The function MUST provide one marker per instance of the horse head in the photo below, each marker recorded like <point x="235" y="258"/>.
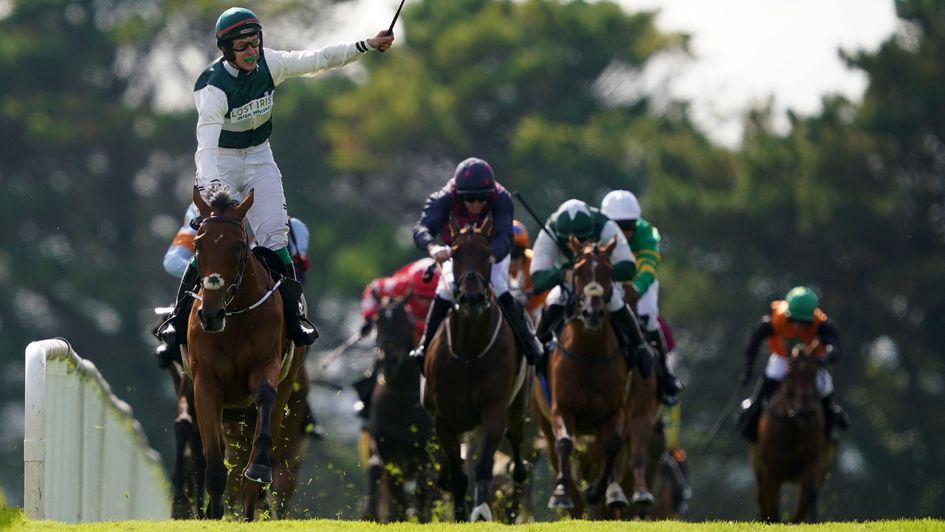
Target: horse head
<point x="800" y="385"/>
<point x="471" y="265"/>
<point x="593" y="285"/>
<point x="221" y="251"/>
<point x="394" y="327"/>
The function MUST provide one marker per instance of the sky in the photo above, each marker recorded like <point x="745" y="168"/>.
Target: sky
<point x="745" y="51"/>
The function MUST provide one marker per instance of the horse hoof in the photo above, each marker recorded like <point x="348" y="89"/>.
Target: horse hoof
<point x="560" y="502"/>
<point x="616" y="499"/>
<point x="642" y="498"/>
<point x="258" y="473"/>
<point x="481" y="513"/>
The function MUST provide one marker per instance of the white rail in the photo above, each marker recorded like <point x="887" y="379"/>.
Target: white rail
<point x="85" y="456"/>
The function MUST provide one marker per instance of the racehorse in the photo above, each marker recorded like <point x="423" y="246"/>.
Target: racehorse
<point x="588" y="381"/>
<point x="474" y="375"/>
<point x="236" y="339"/>
<point x="792" y="442"/>
<point x="400" y="430"/>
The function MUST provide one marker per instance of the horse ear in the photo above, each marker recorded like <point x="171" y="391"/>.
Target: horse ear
<point x="243" y="207"/>
<point x="575" y="245"/>
<point x="202" y="206"/>
<point x="610" y="245"/>
<point x="486" y="226"/>
<point x="454" y="226"/>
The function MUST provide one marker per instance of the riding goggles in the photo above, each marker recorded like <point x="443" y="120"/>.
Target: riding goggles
<point x="244" y="45"/>
<point x="475" y="196"/>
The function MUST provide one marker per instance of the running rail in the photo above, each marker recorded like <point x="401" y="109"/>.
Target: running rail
<point x="85" y="457"/>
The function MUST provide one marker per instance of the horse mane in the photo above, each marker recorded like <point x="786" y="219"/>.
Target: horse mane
<point x="221" y="200"/>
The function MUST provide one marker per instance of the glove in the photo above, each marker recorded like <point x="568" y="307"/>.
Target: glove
<point x="746" y="377"/>
<point x="366" y="327"/>
<point x="439" y="253"/>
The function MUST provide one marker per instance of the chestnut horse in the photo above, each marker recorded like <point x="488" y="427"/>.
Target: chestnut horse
<point x="236" y="339"/>
<point x="589" y="383"/>
<point x="792" y="443"/>
<point x="475" y="375"/>
<point x="400" y="429"/>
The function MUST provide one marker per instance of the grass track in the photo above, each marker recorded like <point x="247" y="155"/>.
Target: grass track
<point x="13" y="519"/>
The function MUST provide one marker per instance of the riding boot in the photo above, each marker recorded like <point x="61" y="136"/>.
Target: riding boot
<point x="514" y="314"/>
<point x="834" y="418"/>
<point x="751" y="409"/>
<point x="547" y="324"/>
<point x="301" y="330"/>
<point x="668" y="385"/>
<point x="636" y="349"/>
<point x="438" y="311"/>
<point x="173" y="331"/>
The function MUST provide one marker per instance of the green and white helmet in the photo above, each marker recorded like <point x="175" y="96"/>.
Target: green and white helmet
<point x="236" y="22"/>
<point x="574" y="217"/>
<point x="802" y="302"/>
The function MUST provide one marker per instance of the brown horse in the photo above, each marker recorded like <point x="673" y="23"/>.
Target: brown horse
<point x="792" y="443"/>
<point x="400" y="430"/>
<point x="589" y="381"/>
<point x="474" y="375"/>
<point x="236" y="339"/>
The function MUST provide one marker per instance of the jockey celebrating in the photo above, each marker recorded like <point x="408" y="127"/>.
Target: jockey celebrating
<point x="471" y="195"/>
<point x="520" y="276"/>
<point x="407" y="281"/>
<point x="796" y="319"/>
<point x="551" y="268"/>
<point x="234" y="98"/>
<point x="642" y="292"/>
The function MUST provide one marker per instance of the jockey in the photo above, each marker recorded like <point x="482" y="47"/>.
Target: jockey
<point x="796" y="319"/>
<point x="642" y="292"/>
<point x="520" y="278"/>
<point x="407" y="281"/>
<point x="551" y="269"/>
<point x="471" y="195"/>
<point x="234" y="97"/>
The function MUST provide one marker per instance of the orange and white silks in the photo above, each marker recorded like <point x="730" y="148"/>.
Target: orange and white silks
<point x="787" y="336"/>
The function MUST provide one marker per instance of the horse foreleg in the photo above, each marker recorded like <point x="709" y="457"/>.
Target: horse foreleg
<point x="565" y="490"/>
<point x="806" y="506"/>
<point x="449" y="443"/>
<point x="768" y="493"/>
<point x="612" y="439"/>
<point x="183" y="427"/>
<point x="375" y="473"/>
<point x="259" y="469"/>
<point x="208" y="404"/>
<point x="492" y="428"/>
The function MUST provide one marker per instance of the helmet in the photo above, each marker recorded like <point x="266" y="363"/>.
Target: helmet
<point x="521" y="234"/>
<point x="620" y="205"/>
<point x="236" y="22"/>
<point x="802" y="302"/>
<point x="473" y="175"/>
<point x="422" y="288"/>
<point x="573" y="217"/>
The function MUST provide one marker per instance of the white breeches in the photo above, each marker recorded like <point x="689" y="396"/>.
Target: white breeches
<point x="499" y="278"/>
<point x="648" y="305"/>
<point x="778" y="366"/>
<point x="557" y="296"/>
<point x="255" y="169"/>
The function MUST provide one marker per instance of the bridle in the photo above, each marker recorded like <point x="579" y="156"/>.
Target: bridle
<point x="233" y="289"/>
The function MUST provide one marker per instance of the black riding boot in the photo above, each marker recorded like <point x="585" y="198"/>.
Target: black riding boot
<point x="438" y="311"/>
<point x="751" y="409"/>
<point x="547" y="325"/>
<point x="301" y="330"/>
<point x="834" y="418"/>
<point x="668" y="385"/>
<point x="514" y="314"/>
<point x="636" y="349"/>
<point x="173" y="332"/>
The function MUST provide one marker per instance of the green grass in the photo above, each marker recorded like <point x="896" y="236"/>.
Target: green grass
<point x="14" y="518"/>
